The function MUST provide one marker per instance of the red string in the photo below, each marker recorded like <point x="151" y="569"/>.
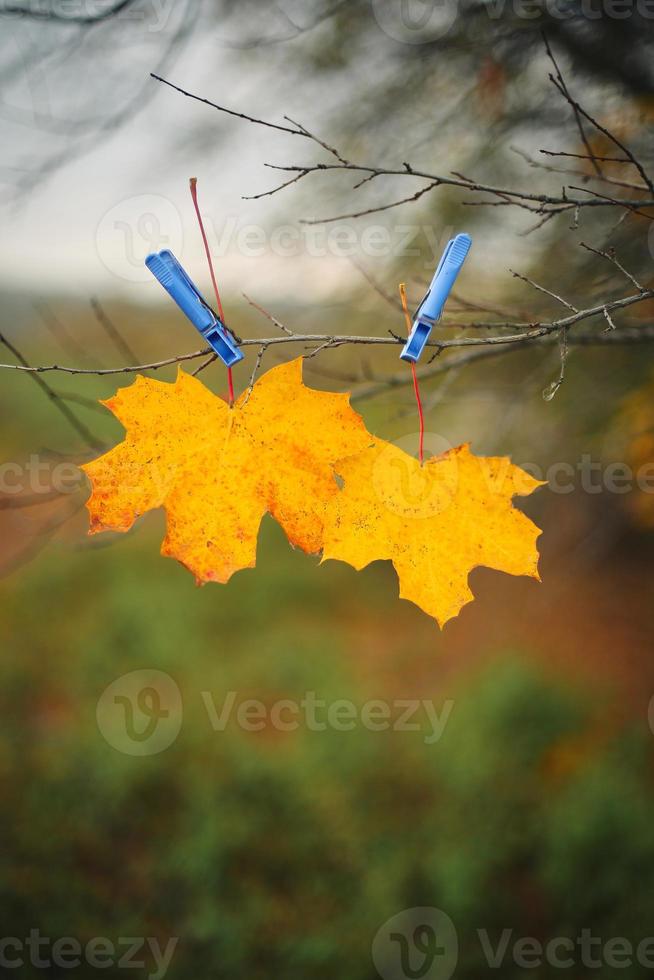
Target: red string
<point x="416" y="387"/>
<point x="193" y="183"/>
<point x="230" y="386"/>
<point x="421" y="442"/>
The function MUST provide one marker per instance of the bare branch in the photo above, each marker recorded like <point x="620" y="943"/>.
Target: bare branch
<point x="542" y="289"/>
<point x="580" y="126"/>
<point x="524" y="199"/>
<point x="552" y="389"/>
<point x="374" y="210"/>
<point x="509" y="196"/>
<point x="527" y="332"/>
<point x="255" y="371"/>
<point x="611" y="258"/>
<point x="511" y="333"/>
<point x="269" y="316"/>
<point x="68" y="343"/>
<point x="585" y="156"/>
<point x="205" y="364"/>
<point x="330" y="149"/>
<point x="230" y="112"/>
<point x="279" y="187"/>
<point x="91" y="403"/>
<point x="611" y="324"/>
<point x="112" y="331"/>
<point x="539" y="165"/>
<point x="606" y="132"/>
<point x="54" y="397"/>
<point x="618" y="202"/>
<point x="380" y="386"/>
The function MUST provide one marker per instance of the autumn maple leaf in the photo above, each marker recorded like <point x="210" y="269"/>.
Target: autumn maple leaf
<point x="435" y="522"/>
<point x="217" y="470"/>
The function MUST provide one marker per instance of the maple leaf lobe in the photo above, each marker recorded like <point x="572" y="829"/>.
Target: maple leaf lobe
<point x="216" y="471"/>
<point x="435" y="522"/>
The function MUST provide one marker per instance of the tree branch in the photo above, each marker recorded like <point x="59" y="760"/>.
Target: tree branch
<point x="528" y="332"/>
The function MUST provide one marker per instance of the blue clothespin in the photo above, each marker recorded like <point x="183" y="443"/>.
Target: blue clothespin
<point x="431" y="307"/>
<point x="172" y="276"/>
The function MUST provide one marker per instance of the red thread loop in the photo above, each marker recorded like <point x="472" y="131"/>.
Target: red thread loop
<point x="193" y="184"/>
<point x="421" y="442"/>
<point x="416" y="387"/>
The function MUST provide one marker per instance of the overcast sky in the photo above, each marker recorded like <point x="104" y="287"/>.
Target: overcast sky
<point x="88" y="224"/>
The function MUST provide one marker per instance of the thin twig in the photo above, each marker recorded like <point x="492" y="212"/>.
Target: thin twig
<point x="112" y="331"/>
<point x="330" y="149"/>
<point x="468" y="304"/>
<point x="564" y="89"/>
<point x="68" y="343"/>
<point x="611" y="258"/>
<point x="269" y="316"/>
<point x="374" y="210"/>
<point x="552" y="389"/>
<point x="375" y="285"/>
<point x="205" y="364"/>
<point x="538" y="165"/>
<point x="54" y="397"/>
<point x="255" y="371"/>
<point x="280" y="187"/>
<point x="381" y="385"/>
<point x="618" y="202"/>
<point x="611" y="324"/>
<point x="230" y="112"/>
<point x="585" y="156"/>
<point x="92" y="404"/>
<point x="542" y="289"/>
<point x="606" y="132"/>
<point x="527" y="332"/>
<point x="518" y="198"/>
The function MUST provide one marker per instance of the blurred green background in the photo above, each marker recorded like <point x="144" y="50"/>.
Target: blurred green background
<point x="275" y="853"/>
<point x="272" y="853"/>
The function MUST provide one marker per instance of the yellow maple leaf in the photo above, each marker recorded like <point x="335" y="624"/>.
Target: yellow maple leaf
<point x="217" y="470"/>
<point x="435" y="522"/>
